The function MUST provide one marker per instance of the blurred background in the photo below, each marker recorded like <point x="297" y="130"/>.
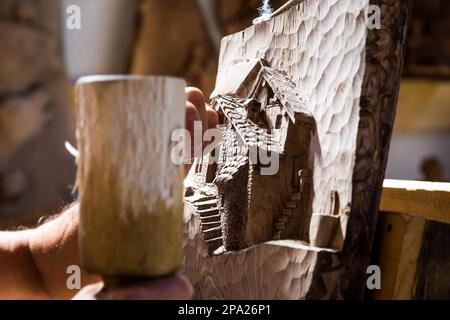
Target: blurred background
<point x="41" y="57"/>
<point x="43" y="53"/>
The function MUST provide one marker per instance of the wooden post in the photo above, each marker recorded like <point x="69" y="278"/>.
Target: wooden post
<point x="399" y="238"/>
<point x="130" y="190"/>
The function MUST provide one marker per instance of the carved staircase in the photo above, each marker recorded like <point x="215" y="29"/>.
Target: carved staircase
<point x="210" y="222"/>
<point x="286" y="214"/>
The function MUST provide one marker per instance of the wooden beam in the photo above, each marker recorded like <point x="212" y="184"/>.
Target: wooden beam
<point x="427" y="200"/>
<point x="399" y="240"/>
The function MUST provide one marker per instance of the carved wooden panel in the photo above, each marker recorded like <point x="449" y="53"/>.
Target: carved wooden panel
<point x="349" y="76"/>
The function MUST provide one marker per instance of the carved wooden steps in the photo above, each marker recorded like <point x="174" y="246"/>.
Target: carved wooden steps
<point x="206" y="205"/>
<point x="286" y="214"/>
<point x="210" y="221"/>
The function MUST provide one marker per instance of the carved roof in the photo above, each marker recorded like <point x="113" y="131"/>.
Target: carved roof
<point x="249" y="132"/>
<point x="245" y="98"/>
<point x="234" y="156"/>
<point x="287" y="92"/>
<point x="244" y="80"/>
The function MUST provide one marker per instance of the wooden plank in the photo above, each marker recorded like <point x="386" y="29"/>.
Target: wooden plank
<point x="405" y="274"/>
<point x="428" y="200"/>
<point x="399" y="240"/>
<point x="295" y="43"/>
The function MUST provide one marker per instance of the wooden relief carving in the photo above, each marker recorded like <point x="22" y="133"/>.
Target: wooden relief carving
<point x="262" y="117"/>
<point x="320" y="89"/>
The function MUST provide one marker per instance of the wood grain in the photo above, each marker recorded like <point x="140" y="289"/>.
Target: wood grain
<point x="427" y="200"/>
<point x="400" y="237"/>
<point x="273" y="270"/>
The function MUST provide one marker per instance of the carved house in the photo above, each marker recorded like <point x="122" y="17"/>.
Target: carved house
<point x="266" y="145"/>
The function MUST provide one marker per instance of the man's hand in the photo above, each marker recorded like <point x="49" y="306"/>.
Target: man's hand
<point x="197" y="110"/>
<point x="33" y="263"/>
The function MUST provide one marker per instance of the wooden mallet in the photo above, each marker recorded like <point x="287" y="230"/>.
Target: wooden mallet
<point x="131" y="192"/>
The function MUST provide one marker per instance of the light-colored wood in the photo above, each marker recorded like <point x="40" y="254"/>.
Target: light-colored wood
<point x="351" y="86"/>
<point x="401" y="235"/>
<point x="427" y="200"/>
<point x="130" y="189"/>
<point x="407" y="267"/>
<point x="401" y="238"/>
